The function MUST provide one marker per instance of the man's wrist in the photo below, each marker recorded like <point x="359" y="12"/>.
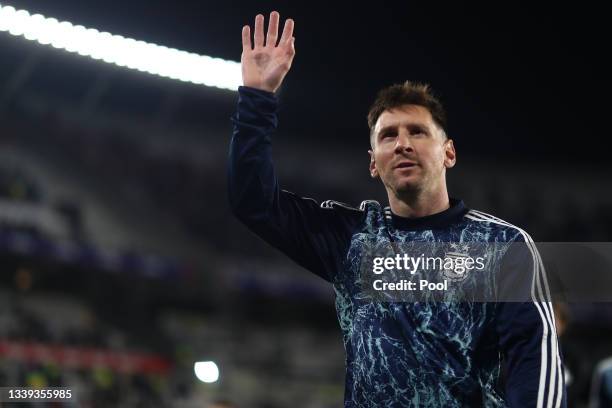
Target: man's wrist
<point x="266" y="91"/>
<point x="257" y="106"/>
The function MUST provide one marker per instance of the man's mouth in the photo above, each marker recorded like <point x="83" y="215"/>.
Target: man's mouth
<point x="405" y="164"/>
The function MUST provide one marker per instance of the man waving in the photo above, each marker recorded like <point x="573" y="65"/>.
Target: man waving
<point x="398" y="354"/>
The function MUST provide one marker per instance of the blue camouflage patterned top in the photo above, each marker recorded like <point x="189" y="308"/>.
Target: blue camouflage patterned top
<point x="402" y="354"/>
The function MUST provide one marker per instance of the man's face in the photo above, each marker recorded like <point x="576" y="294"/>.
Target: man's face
<point x="410" y="153"/>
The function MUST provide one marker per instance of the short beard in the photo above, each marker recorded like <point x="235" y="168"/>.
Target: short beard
<point x="408" y="194"/>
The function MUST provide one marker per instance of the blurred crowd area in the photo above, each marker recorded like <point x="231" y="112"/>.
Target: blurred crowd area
<point x="58" y="339"/>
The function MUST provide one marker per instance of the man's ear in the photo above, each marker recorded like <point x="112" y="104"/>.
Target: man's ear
<point x="373" y="169"/>
<point x="450" y="156"/>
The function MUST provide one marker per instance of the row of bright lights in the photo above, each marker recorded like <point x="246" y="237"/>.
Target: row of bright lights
<point x="125" y="52"/>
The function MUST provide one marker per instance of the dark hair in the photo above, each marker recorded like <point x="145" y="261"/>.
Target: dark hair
<point x="408" y="93"/>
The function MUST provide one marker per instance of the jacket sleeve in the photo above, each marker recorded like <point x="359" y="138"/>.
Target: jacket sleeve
<point x="526" y="330"/>
<point x="314" y="236"/>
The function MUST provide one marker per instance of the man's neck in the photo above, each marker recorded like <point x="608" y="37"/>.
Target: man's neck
<point x="420" y="204"/>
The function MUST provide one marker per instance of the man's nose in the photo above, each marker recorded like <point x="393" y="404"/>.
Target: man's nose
<point x="403" y="141"/>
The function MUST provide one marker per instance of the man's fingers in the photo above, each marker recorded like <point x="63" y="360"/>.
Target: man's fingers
<point x="246" y="38"/>
<point x="272" y="36"/>
<point x="287" y="31"/>
<point x="259" y="31"/>
<point x="272" y="29"/>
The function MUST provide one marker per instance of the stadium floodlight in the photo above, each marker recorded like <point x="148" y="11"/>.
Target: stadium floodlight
<point x="124" y="52"/>
<point x="206" y="371"/>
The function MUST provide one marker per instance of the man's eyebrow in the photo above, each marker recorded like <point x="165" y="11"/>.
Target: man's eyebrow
<point x="412" y="125"/>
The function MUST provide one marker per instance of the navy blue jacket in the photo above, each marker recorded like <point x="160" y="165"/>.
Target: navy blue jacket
<point x="401" y="354"/>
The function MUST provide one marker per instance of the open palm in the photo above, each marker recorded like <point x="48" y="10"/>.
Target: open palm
<point x="265" y="65"/>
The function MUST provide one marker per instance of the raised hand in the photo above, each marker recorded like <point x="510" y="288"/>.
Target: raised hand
<point x="264" y="66"/>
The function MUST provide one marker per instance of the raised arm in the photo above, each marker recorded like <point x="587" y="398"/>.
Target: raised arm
<point x="317" y="238"/>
